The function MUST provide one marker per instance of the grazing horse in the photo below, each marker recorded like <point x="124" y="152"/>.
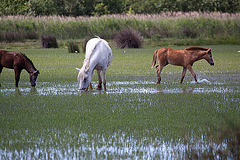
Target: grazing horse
<point x="18" y="62"/>
<point x="98" y="56"/>
<point x="184" y="58"/>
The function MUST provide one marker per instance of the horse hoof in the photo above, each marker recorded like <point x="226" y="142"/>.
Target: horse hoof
<point x="98" y="88"/>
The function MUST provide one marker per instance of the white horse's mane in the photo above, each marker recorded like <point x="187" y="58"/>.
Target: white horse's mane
<point x="89" y="51"/>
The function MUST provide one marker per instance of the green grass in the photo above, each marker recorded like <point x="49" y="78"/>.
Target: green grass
<point x="59" y="64"/>
<point x="57" y="121"/>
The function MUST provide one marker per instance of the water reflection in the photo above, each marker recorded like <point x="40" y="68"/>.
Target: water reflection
<point x="119" y="87"/>
<point x="17" y="92"/>
<point x="68" y="145"/>
<point x="33" y="90"/>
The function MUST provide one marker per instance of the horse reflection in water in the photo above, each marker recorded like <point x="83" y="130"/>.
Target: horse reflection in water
<point x="98" y="56"/>
<point x="18" y="62"/>
<point x="32" y="91"/>
<point x="184" y="58"/>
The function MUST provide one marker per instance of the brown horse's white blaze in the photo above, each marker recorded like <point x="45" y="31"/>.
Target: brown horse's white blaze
<point x="18" y="62"/>
<point x="184" y="58"/>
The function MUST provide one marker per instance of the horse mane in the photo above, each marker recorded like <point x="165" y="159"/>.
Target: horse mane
<point x="29" y="60"/>
<point x="196" y="48"/>
<point x="86" y="62"/>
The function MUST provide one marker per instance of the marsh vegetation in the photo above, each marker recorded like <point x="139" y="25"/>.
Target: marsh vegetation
<point x="177" y="28"/>
<point x="134" y="118"/>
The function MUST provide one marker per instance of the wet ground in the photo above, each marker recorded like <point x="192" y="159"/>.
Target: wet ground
<point x="127" y="99"/>
<point x="116" y="87"/>
<point x="117" y="146"/>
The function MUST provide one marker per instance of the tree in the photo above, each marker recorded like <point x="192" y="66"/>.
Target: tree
<point x="101" y="7"/>
<point x="14" y="7"/>
<point x="41" y="7"/>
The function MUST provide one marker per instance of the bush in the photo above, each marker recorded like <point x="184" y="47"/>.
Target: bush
<point x="73" y="47"/>
<point x="49" y="41"/>
<point x="128" y="38"/>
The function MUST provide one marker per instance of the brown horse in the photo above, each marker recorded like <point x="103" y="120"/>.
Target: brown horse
<point x="18" y="62"/>
<point x="184" y="58"/>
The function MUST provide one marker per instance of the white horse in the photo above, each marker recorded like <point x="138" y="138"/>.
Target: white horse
<point x="98" y="56"/>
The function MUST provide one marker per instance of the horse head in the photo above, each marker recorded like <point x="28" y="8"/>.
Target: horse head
<point x="33" y="77"/>
<point x="208" y="57"/>
<point x="84" y="78"/>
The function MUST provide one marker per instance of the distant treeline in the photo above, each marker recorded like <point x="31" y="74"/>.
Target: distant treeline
<point x="102" y="7"/>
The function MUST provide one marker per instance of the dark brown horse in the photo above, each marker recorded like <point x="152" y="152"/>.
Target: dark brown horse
<point x="184" y="58"/>
<point x="18" y="62"/>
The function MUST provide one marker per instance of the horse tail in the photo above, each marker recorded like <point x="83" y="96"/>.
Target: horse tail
<point x="154" y="58"/>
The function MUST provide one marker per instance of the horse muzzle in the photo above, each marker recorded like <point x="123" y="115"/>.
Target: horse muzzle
<point x="82" y="89"/>
<point x="212" y="63"/>
<point x="33" y="85"/>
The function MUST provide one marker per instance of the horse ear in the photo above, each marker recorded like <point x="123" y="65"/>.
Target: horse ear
<point x="78" y="69"/>
<point x="36" y="72"/>
<point x="209" y="50"/>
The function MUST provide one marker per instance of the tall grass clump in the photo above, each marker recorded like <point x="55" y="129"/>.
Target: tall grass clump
<point x="73" y="47"/>
<point x="49" y="41"/>
<point x="128" y="38"/>
<point x="227" y="139"/>
<point x="230" y="133"/>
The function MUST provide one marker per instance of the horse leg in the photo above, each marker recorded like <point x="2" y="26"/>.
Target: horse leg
<point x="104" y="79"/>
<point x="1" y="67"/>
<point x="99" y="87"/>
<point x="17" y="76"/>
<point x="193" y="73"/>
<point x="90" y="86"/>
<point x="159" y="70"/>
<point x="183" y="74"/>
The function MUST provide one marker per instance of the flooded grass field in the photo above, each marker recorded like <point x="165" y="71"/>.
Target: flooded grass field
<point x="133" y="119"/>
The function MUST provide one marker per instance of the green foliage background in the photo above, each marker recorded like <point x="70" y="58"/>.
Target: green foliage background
<point x="101" y="7"/>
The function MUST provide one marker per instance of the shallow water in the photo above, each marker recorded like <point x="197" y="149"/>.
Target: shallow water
<point x="117" y="87"/>
<point x="133" y="119"/>
<point x="118" y="145"/>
